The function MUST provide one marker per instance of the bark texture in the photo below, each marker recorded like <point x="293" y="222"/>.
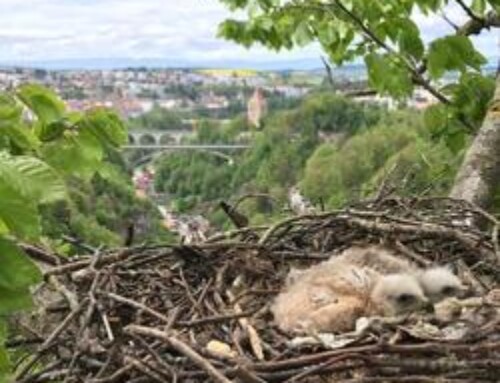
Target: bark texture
<point x="479" y="174"/>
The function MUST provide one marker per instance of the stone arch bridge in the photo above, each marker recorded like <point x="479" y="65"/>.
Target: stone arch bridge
<point x="158" y="137"/>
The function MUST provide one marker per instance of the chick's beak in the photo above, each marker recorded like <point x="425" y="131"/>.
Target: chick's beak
<point x="427" y="305"/>
<point x="465" y="292"/>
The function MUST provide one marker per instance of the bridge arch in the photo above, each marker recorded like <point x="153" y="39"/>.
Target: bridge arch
<point x="147" y="139"/>
<point x="131" y="139"/>
<point x="166" y="139"/>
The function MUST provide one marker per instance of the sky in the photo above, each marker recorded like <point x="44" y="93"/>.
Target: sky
<point x="176" y="32"/>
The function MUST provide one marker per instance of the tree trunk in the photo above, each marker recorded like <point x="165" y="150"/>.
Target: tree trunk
<point x="479" y="175"/>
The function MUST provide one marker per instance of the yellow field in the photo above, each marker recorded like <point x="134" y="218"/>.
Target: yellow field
<point x="229" y="72"/>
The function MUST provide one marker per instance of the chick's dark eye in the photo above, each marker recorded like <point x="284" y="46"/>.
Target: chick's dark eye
<point x="448" y="290"/>
<point x="406" y="299"/>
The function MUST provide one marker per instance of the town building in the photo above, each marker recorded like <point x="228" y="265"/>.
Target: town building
<point x="256" y="108"/>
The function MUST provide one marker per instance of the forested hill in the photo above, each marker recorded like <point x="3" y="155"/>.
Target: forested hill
<point x="335" y="149"/>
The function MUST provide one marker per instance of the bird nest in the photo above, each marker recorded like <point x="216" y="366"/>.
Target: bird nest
<point x="199" y="313"/>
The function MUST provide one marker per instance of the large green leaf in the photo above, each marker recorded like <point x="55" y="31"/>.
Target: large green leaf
<point x="18" y="137"/>
<point x="106" y="125"/>
<point x="4" y="365"/>
<point x="4" y="357"/>
<point x="14" y="300"/>
<point x="10" y="110"/>
<point x="77" y="154"/>
<point x="478" y="6"/>
<point x="303" y="34"/>
<point x="114" y="175"/>
<point x="3" y="228"/>
<point x="17" y="271"/>
<point x="18" y="213"/>
<point x="33" y="178"/>
<point x="53" y="130"/>
<point x="409" y="39"/>
<point x="388" y="76"/>
<point x="436" y="119"/>
<point x="453" y="53"/>
<point x="44" y="103"/>
<point x="471" y="96"/>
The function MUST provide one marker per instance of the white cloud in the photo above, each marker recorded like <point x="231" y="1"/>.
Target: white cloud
<point x="169" y="29"/>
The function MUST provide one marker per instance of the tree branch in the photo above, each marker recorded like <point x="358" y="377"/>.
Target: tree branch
<point x="469" y="11"/>
<point x="417" y="77"/>
<point x="417" y="73"/>
<point x="450" y="23"/>
<point x="475" y="27"/>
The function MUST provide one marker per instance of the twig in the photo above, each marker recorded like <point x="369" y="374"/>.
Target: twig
<point x="253" y="336"/>
<point x="135" y="304"/>
<point x="50" y="339"/>
<point x="181" y="347"/>
<point x="78" y="243"/>
<point x="216" y="319"/>
<point x="469" y="11"/>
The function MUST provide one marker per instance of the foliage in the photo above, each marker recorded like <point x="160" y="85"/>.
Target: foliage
<point x="157" y="119"/>
<point x="192" y="178"/>
<point x="398" y="148"/>
<point x="41" y="144"/>
<point x="385" y="36"/>
<point x="274" y="162"/>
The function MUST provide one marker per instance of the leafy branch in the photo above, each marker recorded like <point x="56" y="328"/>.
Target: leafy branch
<point x="416" y="75"/>
<point x="41" y="145"/>
<point x="385" y="35"/>
<point x="469" y="11"/>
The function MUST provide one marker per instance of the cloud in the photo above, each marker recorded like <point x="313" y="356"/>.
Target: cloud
<point x="36" y="30"/>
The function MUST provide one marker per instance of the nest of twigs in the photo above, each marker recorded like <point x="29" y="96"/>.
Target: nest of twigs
<point x="200" y="313"/>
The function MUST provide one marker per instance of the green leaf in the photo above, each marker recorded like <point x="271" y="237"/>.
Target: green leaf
<point x="4" y="365"/>
<point x="387" y="76"/>
<point x="53" y="130"/>
<point x="453" y="53"/>
<point x="471" y="96"/>
<point x="112" y="174"/>
<point x="19" y="137"/>
<point x="26" y="182"/>
<point x="10" y="110"/>
<point x="77" y="154"/>
<point x="18" y="213"/>
<point x="443" y="124"/>
<point x="4" y="357"/>
<point x="18" y="271"/>
<point x="33" y="178"/>
<point x="43" y="102"/>
<point x="303" y="35"/>
<point x="455" y="140"/>
<point x="106" y="125"/>
<point x="436" y="119"/>
<point x="478" y="6"/>
<point x="3" y="228"/>
<point x="235" y="4"/>
<point x="429" y="5"/>
<point x="14" y="300"/>
<point x="495" y="5"/>
<point x="409" y="39"/>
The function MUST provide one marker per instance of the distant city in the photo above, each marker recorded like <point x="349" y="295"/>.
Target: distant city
<point x="218" y="93"/>
<point x="133" y="92"/>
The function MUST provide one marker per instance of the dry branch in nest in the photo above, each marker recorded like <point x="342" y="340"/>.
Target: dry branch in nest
<point x="200" y="313"/>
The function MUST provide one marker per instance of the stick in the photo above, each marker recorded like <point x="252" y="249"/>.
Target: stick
<point x="181" y="347"/>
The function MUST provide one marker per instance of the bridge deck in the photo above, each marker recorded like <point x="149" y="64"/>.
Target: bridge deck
<point x="190" y="146"/>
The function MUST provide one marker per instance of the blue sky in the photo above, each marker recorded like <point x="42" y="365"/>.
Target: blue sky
<point x="171" y="30"/>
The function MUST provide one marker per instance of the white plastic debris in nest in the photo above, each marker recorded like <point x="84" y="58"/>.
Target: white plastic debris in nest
<point x="221" y="349"/>
<point x="334" y="341"/>
<point x="328" y="340"/>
